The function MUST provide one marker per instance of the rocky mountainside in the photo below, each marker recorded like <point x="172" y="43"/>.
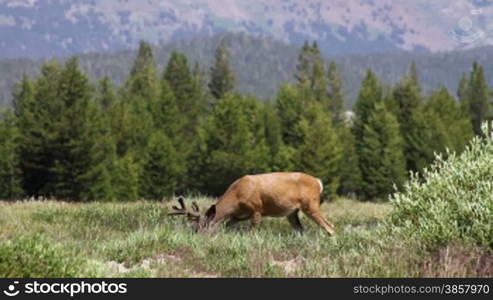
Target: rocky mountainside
<point x="40" y="28"/>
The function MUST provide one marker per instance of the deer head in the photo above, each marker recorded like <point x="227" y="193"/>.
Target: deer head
<point x="199" y="222"/>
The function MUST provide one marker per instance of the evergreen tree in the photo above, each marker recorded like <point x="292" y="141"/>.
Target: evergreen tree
<point x="23" y="95"/>
<point x="349" y="170"/>
<point x="106" y="95"/>
<point x="126" y="176"/>
<point x="371" y="92"/>
<point x="478" y="99"/>
<point x="169" y="121"/>
<point x="165" y="113"/>
<point x="200" y="76"/>
<point x="319" y="80"/>
<point x="142" y="82"/>
<point x="310" y="73"/>
<point x="160" y="168"/>
<point x="180" y="79"/>
<point x="446" y="126"/>
<point x="221" y="74"/>
<point x="204" y="94"/>
<point x="140" y="91"/>
<point x="335" y="94"/>
<point x="320" y="153"/>
<point x="107" y="103"/>
<point x="382" y="160"/>
<point x="414" y="76"/>
<point x="408" y="102"/>
<point x="35" y="107"/>
<point x="10" y="185"/>
<point x="79" y="155"/>
<point x="126" y="127"/>
<point x="280" y="154"/>
<point x="463" y="88"/>
<point x="225" y="148"/>
<point x="60" y="148"/>
<point x="303" y="68"/>
<point x="188" y="94"/>
<point x="254" y="111"/>
<point x="290" y="109"/>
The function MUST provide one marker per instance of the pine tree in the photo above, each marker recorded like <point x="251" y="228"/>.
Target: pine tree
<point x="371" y="92"/>
<point x="106" y="95"/>
<point x="408" y="102"/>
<point x="106" y="104"/>
<point x="303" y="68"/>
<point x="446" y="126"/>
<point x="126" y="176"/>
<point x="141" y="89"/>
<point x="280" y="155"/>
<point x="319" y="80"/>
<point x="169" y="121"/>
<point x="188" y="94"/>
<point x="320" y="153"/>
<point x="10" y="185"/>
<point x="35" y="109"/>
<point x="290" y="109"/>
<point x="414" y="76"/>
<point x="478" y="100"/>
<point x="254" y="111"/>
<point x="349" y="170"/>
<point x="180" y="79"/>
<point x="335" y="94"/>
<point x="225" y="148"/>
<point x="222" y="76"/>
<point x="463" y="88"/>
<point x="79" y="155"/>
<point x="23" y="96"/>
<point x="166" y="115"/>
<point x="161" y="170"/>
<point x="200" y="75"/>
<point x="382" y="160"/>
<point x="125" y="127"/>
<point x="201" y="82"/>
<point x="142" y="82"/>
<point x="310" y="73"/>
<point x="60" y="146"/>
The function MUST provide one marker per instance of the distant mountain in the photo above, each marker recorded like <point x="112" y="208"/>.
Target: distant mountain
<point x="41" y="28"/>
<point x="262" y="64"/>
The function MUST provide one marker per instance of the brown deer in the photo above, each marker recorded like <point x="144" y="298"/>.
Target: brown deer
<point x="255" y="196"/>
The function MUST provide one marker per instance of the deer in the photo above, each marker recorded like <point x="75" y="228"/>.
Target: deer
<point x="251" y="197"/>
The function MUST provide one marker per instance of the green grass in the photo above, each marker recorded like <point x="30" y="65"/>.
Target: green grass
<point x="138" y="239"/>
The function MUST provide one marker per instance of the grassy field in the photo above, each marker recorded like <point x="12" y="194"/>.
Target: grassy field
<point x="49" y="238"/>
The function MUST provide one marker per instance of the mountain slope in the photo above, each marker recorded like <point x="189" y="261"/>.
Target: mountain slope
<point x="35" y="28"/>
<point x="262" y="64"/>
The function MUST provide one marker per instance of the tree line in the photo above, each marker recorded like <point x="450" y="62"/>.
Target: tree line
<point x="262" y="64"/>
<point x="183" y="129"/>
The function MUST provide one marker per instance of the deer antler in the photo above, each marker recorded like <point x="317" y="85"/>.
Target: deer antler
<point x="182" y="210"/>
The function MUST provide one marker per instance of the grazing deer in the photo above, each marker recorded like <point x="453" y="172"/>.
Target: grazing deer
<point x="254" y="196"/>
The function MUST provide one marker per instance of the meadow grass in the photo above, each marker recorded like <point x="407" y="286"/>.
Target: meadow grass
<point x="138" y="239"/>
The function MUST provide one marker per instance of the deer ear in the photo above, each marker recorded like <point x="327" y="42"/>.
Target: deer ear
<point x="211" y="212"/>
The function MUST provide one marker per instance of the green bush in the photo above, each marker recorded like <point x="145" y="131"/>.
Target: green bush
<point x="35" y="256"/>
<point x="452" y="200"/>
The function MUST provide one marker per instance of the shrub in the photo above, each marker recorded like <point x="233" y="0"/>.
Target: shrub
<point x="35" y="256"/>
<point x="452" y="200"/>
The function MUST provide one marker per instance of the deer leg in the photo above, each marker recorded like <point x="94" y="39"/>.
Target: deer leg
<point x="317" y="217"/>
<point x="294" y="220"/>
<point x="256" y="218"/>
